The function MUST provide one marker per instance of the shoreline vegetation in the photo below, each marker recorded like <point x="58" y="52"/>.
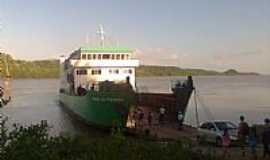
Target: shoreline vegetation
<point x="34" y="142"/>
<point x="50" y="69"/>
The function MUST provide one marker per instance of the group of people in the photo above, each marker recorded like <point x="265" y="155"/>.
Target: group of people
<point x="143" y="118"/>
<point x="247" y="136"/>
<point x="180" y="117"/>
<point x="138" y="117"/>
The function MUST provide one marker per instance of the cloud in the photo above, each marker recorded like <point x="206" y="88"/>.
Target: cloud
<point x="158" y="56"/>
<point x="248" y="61"/>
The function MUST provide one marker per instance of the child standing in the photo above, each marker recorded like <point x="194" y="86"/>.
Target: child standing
<point x="226" y="143"/>
<point x="252" y="141"/>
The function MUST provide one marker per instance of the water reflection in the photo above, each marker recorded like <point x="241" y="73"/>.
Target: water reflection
<point x="226" y="98"/>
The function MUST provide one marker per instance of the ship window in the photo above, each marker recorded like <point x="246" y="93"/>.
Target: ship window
<point x="127" y="56"/>
<point x="113" y="56"/>
<point x="130" y="71"/>
<point x="89" y="56"/>
<point x="122" y="56"/>
<point x="99" y="56"/>
<point x="94" y="56"/>
<point x="82" y="72"/>
<point x="105" y="56"/>
<point x="118" y="56"/>
<point x="83" y="56"/>
<point x="110" y="71"/>
<point x="116" y="71"/>
<point x="96" y="71"/>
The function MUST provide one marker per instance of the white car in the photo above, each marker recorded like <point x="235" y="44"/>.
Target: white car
<point x="212" y="131"/>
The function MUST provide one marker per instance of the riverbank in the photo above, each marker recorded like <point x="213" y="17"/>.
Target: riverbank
<point x="34" y="142"/>
<point x="169" y="132"/>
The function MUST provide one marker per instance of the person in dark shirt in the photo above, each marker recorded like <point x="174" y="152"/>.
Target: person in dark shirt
<point x="266" y="139"/>
<point x="81" y="91"/>
<point x="243" y="132"/>
<point x="92" y="87"/>
<point x="141" y="118"/>
<point x="150" y="119"/>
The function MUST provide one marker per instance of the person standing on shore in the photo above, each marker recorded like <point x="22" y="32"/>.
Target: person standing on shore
<point x="162" y="111"/>
<point x="180" y="118"/>
<point x="252" y="142"/>
<point x="266" y="139"/>
<point x="134" y="118"/>
<point x="243" y="132"/>
<point x="141" y="119"/>
<point x="150" y="119"/>
<point x="226" y="143"/>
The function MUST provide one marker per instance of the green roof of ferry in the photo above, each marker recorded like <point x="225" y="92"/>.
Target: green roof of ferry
<point x="105" y="49"/>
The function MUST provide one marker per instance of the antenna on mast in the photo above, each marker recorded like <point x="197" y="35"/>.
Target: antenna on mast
<point x="101" y="33"/>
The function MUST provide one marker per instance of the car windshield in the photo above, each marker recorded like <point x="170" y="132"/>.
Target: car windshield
<point x="223" y="125"/>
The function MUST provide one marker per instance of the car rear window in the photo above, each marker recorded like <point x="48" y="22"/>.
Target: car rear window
<point x="223" y="125"/>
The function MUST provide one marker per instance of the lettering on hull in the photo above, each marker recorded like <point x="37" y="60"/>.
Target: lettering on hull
<point x="107" y="99"/>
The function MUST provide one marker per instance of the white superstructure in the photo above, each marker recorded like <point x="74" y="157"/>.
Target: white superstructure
<point x="87" y="66"/>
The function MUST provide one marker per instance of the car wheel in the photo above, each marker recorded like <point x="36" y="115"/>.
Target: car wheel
<point x="218" y="142"/>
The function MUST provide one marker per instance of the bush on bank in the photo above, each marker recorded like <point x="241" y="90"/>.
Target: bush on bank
<point x="34" y="143"/>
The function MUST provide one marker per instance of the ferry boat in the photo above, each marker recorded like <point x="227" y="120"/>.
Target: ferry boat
<point x="98" y="85"/>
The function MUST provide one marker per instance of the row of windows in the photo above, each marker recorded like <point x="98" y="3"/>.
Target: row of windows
<point x="98" y="71"/>
<point x="105" y="56"/>
<point x="82" y="72"/>
<point x="116" y="71"/>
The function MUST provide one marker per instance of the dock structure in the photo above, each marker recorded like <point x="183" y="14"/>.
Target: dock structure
<point x="151" y="105"/>
<point x="168" y="130"/>
<point x="172" y="102"/>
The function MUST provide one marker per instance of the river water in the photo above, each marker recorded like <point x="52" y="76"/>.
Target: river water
<point x="218" y="97"/>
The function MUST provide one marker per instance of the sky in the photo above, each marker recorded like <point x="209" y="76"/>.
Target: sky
<point x="208" y="34"/>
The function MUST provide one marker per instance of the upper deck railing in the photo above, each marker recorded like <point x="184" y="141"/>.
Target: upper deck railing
<point x="105" y="63"/>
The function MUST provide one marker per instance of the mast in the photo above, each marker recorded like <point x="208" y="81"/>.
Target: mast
<point x="101" y="33"/>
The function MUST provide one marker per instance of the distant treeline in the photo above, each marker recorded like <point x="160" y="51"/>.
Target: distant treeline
<point x="29" y="69"/>
<point x="50" y="69"/>
<point x="146" y="70"/>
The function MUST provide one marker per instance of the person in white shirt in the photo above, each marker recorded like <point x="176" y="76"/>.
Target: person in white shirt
<point x="180" y="118"/>
<point x="162" y="111"/>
